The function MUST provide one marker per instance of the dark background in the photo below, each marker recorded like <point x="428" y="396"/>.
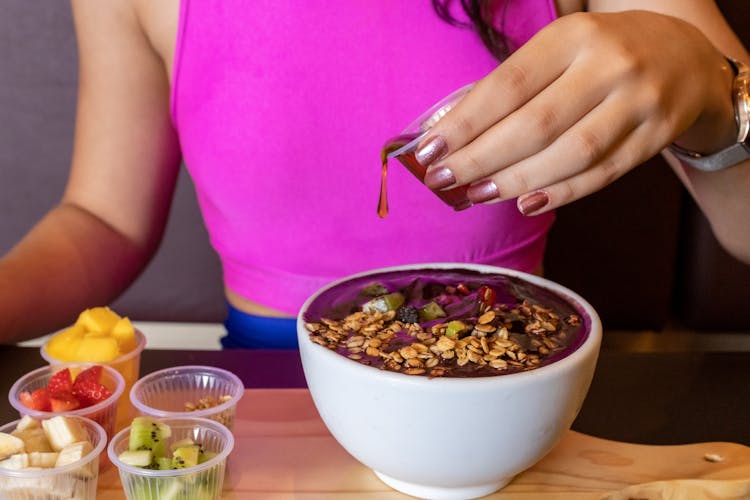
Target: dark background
<point x="643" y="254"/>
<point x="639" y="250"/>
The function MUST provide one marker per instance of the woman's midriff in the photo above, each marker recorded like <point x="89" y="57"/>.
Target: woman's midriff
<point x="251" y="307"/>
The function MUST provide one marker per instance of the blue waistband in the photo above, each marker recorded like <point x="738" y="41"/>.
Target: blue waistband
<point x="248" y="331"/>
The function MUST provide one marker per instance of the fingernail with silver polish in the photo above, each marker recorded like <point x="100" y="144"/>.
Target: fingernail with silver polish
<point x="439" y="178"/>
<point x="431" y="151"/>
<point x="482" y="191"/>
<point x="533" y="202"/>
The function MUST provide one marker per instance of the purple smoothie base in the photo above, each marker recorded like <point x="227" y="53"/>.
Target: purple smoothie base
<point x="346" y="298"/>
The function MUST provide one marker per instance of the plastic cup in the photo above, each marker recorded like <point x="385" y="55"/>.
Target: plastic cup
<point x="164" y="393"/>
<point x="404" y="146"/>
<point x="203" y="481"/>
<point x="129" y="366"/>
<point x="104" y="413"/>
<point x="77" y="480"/>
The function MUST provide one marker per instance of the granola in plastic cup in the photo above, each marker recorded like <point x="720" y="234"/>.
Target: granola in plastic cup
<point x="189" y="391"/>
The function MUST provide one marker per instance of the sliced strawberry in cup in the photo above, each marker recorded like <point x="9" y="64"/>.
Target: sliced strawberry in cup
<point x="60" y="383"/>
<point x="91" y="373"/>
<point x="37" y="400"/>
<point x="87" y="388"/>
<point x="90" y="392"/>
<point x="64" y="401"/>
<point x="63" y="394"/>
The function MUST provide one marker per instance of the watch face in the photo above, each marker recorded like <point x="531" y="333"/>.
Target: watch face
<point x="741" y="95"/>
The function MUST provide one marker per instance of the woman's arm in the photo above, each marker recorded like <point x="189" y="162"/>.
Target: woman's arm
<point x="723" y="196"/>
<point x="588" y="99"/>
<point x="110" y="220"/>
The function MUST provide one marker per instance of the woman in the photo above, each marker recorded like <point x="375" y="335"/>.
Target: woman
<point x="279" y="108"/>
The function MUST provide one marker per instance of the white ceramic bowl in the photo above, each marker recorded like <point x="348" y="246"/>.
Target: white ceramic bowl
<point x="450" y="438"/>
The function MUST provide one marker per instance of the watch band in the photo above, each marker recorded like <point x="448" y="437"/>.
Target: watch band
<point x="738" y="152"/>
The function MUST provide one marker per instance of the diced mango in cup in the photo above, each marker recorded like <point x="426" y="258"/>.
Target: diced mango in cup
<point x="124" y="333"/>
<point x="98" y="336"/>
<point x="97" y="349"/>
<point x="98" y="319"/>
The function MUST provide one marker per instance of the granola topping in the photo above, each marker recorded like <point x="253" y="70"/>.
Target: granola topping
<point x="207" y="402"/>
<point x="225" y="417"/>
<point x="470" y="324"/>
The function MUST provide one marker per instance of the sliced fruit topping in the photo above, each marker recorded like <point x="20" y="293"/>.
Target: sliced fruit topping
<point x="43" y="459"/>
<point x="205" y="456"/>
<point x="10" y="445"/>
<point x="63" y="394"/>
<point x="431" y="311"/>
<point x="185" y="456"/>
<point x="98" y="319"/>
<point x="60" y="383"/>
<point x="28" y="422"/>
<point x="148" y="444"/>
<point x="181" y="443"/>
<point x="407" y="314"/>
<point x="62" y="431"/>
<point x="455" y="328"/>
<point x="162" y="463"/>
<point x="384" y="303"/>
<point x="136" y="458"/>
<point x="50" y="443"/>
<point x="149" y="434"/>
<point x="91" y="373"/>
<point x="374" y="290"/>
<point x="73" y="453"/>
<point x="64" y="344"/>
<point x="17" y="461"/>
<point x="98" y="336"/>
<point x="97" y="349"/>
<point x="486" y="295"/>
<point x="37" y="400"/>
<point x="64" y="401"/>
<point x="34" y="438"/>
<point x="90" y="392"/>
<point x="124" y="333"/>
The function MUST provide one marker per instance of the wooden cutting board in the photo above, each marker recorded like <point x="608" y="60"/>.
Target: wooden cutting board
<point x="284" y="451"/>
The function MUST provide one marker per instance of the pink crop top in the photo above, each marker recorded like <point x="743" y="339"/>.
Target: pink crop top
<point x="282" y="108"/>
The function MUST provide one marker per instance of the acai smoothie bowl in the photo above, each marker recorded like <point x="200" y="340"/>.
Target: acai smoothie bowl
<point x="448" y="379"/>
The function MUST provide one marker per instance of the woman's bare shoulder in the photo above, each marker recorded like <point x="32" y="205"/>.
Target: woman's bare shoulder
<point x="154" y="21"/>
<point x="159" y="21"/>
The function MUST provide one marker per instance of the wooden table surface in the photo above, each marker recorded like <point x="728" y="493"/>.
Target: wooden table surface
<point x="284" y="451"/>
<point x="647" y="398"/>
<point x="638" y="400"/>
